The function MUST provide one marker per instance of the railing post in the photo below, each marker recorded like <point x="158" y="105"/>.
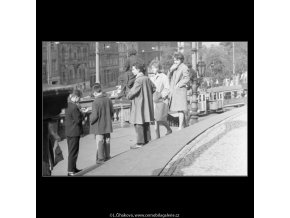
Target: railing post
<point x="193" y="114"/>
<point x="122" y="114"/>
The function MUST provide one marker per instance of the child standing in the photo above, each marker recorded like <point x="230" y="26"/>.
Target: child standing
<point x="73" y="130"/>
<point x="101" y="123"/>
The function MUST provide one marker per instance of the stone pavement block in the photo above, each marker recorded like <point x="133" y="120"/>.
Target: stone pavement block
<point x="225" y="155"/>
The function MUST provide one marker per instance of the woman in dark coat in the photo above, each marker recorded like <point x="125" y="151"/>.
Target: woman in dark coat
<point x="142" y="112"/>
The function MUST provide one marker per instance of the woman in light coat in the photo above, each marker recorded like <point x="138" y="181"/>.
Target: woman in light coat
<point x="179" y="78"/>
<point x="160" y="98"/>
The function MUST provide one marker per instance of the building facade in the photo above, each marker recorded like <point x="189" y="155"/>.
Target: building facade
<point x="74" y="63"/>
<point x="147" y="51"/>
<point x="109" y="63"/>
<point x="50" y="63"/>
<point x="65" y="63"/>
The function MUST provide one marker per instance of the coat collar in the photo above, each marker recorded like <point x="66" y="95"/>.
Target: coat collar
<point x="157" y="76"/>
<point x="180" y="66"/>
<point x="102" y="95"/>
<point x="139" y="75"/>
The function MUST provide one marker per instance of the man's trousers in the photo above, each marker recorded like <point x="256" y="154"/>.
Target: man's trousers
<point x="103" y="147"/>
<point x="73" y="151"/>
<point x="143" y="133"/>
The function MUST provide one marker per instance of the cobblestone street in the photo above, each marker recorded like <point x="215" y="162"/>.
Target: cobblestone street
<point x="221" y="150"/>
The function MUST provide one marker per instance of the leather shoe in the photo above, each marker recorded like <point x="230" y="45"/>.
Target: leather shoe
<point x="77" y="171"/>
<point x="135" y="146"/>
<point x="168" y="132"/>
<point x="73" y="173"/>
<point x="100" y="161"/>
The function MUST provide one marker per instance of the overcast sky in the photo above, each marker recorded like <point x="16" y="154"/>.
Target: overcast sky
<point x="208" y="44"/>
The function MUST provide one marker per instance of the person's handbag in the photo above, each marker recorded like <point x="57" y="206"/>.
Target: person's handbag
<point x="157" y="97"/>
<point x="58" y="156"/>
<point x="161" y="109"/>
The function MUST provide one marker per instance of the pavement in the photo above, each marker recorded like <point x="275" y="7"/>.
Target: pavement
<point x="121" y="140"/>
<point x="146" y="161"/>
<point x="151" y="159"/>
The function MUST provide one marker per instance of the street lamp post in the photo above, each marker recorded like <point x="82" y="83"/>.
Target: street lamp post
<point x="126" y="49"/>
<point x="234" y="58"/>
<point x="97" y="63"/>
<point x="159" y="51"/>
<point x="194" y="56"/>
<point x="121" y="100"/>
<point x="193" y="114"/>
<point x="48" y="63"/>
<point x="49" y="59"/>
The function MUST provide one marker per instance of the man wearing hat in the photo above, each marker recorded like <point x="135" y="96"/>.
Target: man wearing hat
<point x="73" y="130"/>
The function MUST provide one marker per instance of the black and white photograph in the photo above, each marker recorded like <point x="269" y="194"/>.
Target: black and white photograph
<point x="144" y="108"/>
<point x="144" y="111"/>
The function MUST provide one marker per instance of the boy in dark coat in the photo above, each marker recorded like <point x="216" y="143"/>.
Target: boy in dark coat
<point x="101" y="123"/>
<point x="73" y="130"/>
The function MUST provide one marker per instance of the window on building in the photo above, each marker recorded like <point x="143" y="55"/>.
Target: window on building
<point x="227" y="95"/>
<point x="85" y="52"/>
<point x="63" y="76"/>
<point x="235" y="94"/>
<point x="63" y="53"/>
<point x="79" y="52"/>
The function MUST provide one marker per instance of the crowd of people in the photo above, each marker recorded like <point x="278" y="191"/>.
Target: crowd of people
<point x="151" y="99"/>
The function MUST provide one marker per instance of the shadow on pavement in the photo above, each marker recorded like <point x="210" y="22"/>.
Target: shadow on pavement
<point x="90" y="168"/>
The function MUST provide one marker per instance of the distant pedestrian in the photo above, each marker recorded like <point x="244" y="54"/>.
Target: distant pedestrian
<point x="217" y="82"/>
<point x="73" y="130"/>
<point x="101" y="123"/>
<point x="127" y="78"/>
<point x="179" y="78"/>
<point x="160" y="98"/>
<point x="142" y="112"/>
